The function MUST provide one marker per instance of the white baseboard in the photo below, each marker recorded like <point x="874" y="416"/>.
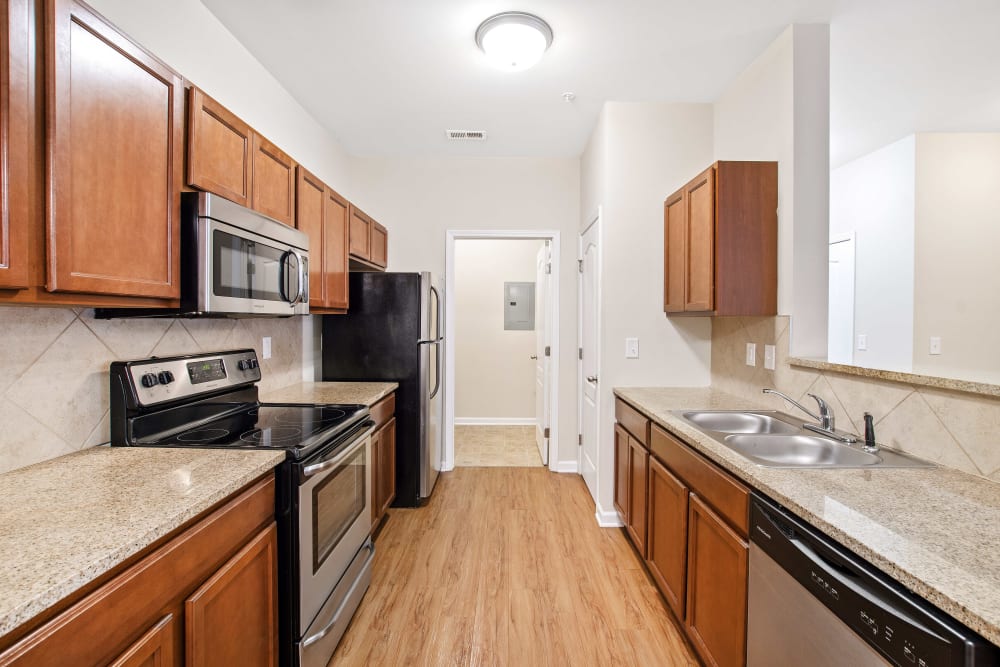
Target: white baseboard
<point x="570" y="466"/>
<point x="606" y="519"/>
<point x="495" y="421"/>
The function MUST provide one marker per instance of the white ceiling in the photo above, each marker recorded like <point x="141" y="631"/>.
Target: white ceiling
<point x="388" y="77"/>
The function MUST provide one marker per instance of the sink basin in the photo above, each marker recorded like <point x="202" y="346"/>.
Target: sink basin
<point x="799" y="451"/>
<point x="727" y="421"/>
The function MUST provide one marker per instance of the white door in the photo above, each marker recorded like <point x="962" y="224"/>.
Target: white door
<point x="840" y="332"/>
<point x="589" y="364"/>
<point x="543" y="269"/>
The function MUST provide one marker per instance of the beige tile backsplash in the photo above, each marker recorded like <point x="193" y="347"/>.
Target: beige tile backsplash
<point x="54" y="369"/>
<point x="955" y="429"/>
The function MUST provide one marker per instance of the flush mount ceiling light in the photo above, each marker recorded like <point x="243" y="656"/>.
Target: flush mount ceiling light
<point x="513" y="41"/>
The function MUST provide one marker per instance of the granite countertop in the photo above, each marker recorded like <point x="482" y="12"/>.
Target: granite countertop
<point x="365" y="393"/>
<point x="936" y="531"/>
<point x="67" y="521"/>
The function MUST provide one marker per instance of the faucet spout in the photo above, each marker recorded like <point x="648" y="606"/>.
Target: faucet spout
<point x="825" y="420"/>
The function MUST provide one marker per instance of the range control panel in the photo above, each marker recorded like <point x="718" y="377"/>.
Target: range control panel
<point x="169" y="379"/>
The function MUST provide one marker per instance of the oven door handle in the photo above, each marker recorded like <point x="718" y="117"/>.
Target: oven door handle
<point x="327" y="464"/>
<point x="309" y="641"/>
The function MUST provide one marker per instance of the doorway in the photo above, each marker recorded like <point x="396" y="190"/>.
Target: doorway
<point x="588" y="335"/>
<point x="501" y="359"/>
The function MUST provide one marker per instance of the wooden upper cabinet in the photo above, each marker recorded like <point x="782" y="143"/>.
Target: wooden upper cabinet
<point x="14" y="155"/>
<point x="721" y="242"/>
<point x="232" y="619"/>
<point x="273" y="190"/>
<point x="699" y="198"/>
<point x="310" y="216"/>
<point x="360" y="234"/>
<point x="716" y="619"/>
<point x="674" y="252"/>
<point x="335" y="250"/>
<point x="379" y="245"/>
<point x="219" y="149"/>
<point x="115" y="118"/>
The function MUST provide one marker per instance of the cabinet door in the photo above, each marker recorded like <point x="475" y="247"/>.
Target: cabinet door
<point x="716" y="588"/>
<point x="14" y="167"/>
<point x="232" y="619"/>
<point x="219" y="149"/>
<point x="379" y="244"/>
<point x="674" y="252"/>
<point x="273" y="186"/>
<point x="116" y="127"/>
<point x="699" y="196"/>
<point x="387" y="466"/>
<point x="638" y="472"/>
<point x="335" y="241"/>
<point x="667" y="538"/>
<point x="622" y="461"/>
<point x="154" y="649"/>
<point x="310" y="217"/>
<point x="360" y="234"/>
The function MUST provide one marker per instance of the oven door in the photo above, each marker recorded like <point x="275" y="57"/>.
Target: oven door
<point x="335" y="496"/>
<point x="241" y="272"/>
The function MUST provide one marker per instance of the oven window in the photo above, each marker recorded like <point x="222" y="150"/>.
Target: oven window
<point x="245" y="269"/>
<point x="337" y="501"/>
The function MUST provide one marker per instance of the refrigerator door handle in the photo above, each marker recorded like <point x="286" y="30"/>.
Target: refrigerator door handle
<point x="437" y="375"/>
<point x="430" y="341"/>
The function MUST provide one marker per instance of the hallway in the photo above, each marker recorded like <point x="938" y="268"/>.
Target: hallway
<point x="506" y="566"/>
<point x="496" y="446"/>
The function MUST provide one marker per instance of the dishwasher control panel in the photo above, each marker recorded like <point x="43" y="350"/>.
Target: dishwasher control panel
<point x="904" y="628"/>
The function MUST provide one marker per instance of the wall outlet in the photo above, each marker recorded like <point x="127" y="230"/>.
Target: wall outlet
<point x="935" y="345"/>
<point x="751" y="354"/>
<point x="862" y="342"/>
<point x="631" y="348"/>
<point x="266" y="348"/>
<point x="769" y="357"/>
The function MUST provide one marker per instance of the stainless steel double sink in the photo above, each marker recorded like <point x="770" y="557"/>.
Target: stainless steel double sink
<point x="774" y="439"/>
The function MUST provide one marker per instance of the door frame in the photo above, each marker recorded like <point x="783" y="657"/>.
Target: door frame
<point x="553" y="310"/>
<point x="594" y="219"/>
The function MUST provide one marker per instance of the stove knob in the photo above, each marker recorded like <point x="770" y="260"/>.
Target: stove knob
<point x="165" y="377"/>
<point x="243" y="364"/>
<point x="149" y="380"/>
<point x="253" y="363"/>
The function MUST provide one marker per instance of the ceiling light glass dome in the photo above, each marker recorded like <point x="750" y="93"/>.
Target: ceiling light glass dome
<point x="513" y="41"/>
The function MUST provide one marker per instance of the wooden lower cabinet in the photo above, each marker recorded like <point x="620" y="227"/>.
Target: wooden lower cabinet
<point x="666" y="547"/>
<point x="206" y="596"/>
<point x="383" y="457"/>
<point x="232" y="619"/>
<point x="621" y="472"/>
<point x="716" y="619"/>
<point x="638" y="473"/>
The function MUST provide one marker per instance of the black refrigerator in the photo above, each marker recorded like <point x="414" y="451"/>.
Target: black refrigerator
<point x="392" y="332"/>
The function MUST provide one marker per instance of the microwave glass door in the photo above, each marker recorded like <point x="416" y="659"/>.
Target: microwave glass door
<point x="247" y="269"/>
<point x="337" y="502"/>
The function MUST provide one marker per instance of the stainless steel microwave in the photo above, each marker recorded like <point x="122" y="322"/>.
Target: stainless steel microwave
<point x="238" y="262"/>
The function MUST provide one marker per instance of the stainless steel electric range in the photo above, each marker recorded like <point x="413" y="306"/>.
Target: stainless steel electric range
<point x="323" y="488"/>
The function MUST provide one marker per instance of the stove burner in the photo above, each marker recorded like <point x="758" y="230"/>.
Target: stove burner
<point x="203" y="435"/>
<point x="272" y="435"/>
<point x="323" y="416"/>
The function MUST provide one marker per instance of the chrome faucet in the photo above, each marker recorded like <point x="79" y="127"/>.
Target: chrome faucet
<point x="826" y="424"/>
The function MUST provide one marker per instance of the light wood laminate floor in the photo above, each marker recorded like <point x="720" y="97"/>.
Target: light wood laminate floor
<point x="507" y="566"/>
<point x="496" y="446"/>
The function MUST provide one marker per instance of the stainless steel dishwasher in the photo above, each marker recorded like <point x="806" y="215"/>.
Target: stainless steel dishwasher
<point x="813" y="602"/>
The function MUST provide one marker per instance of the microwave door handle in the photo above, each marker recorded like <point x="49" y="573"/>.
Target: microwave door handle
<point x="283" y="275"/>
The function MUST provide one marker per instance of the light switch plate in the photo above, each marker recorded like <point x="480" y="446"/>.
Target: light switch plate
<point x="631" y="348"/>
<point x="862" y="342"/>
<point x="266" y="348"/>
<point x="935" y="345"/>
<point x="769" y="357"/>
<point x="751" y="354"/>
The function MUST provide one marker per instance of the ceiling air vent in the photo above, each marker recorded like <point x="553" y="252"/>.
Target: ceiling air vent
<point x="466" y="135"/>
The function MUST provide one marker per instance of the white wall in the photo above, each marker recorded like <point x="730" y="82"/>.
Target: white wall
<point x="638" y="155"/>
<point x="425" y="197"/>
<point x="778" y="109"/>
<point x="957" y="236"/>
<point x="494" y="372"/>
<point x="873" y="197"/>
